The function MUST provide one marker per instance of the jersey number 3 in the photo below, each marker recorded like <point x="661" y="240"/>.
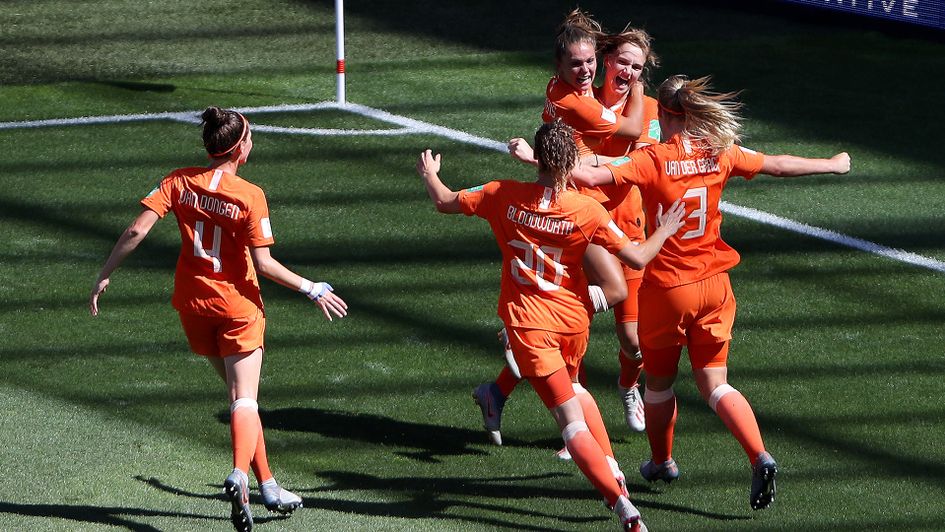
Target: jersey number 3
<point x="213" y="254"/>
<point x="699" y="213"/>
<point x="535" y="260"/>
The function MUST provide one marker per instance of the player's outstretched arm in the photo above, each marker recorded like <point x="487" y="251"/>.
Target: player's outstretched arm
<point x="638" y="256"/>
<point x="792" y="166"/>
<point x="127" y="243"/>
<point x="591" y="176"/>
<point x="445" y="199"/>
<point x="321" y="293"/>
<point x="520" y="150"/>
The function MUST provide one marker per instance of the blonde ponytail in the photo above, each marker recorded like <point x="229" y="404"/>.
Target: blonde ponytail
<point x="711" y="118"/>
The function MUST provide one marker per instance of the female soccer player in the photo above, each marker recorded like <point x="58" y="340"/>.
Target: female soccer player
<point x="542" y="229"/>
<point x="686" y="297"/>
<point x="225" y="231"/>
<point x="626" y="56"/>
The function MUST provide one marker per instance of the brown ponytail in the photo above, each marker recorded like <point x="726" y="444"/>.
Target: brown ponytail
<point x="556" y="152"/>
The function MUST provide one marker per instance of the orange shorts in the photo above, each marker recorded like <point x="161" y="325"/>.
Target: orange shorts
<point x="692" y="314"/>
<point x="220" y="337"/>
<point x="665" y="362"/>
<point x="628" y="310"/>
<point x="539" y="353"/>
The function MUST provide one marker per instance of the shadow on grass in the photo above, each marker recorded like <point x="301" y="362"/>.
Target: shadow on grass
<point x="431" y="441"/>
<point x="99" y="515"/>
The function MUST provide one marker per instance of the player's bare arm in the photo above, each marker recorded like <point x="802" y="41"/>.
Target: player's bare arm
<point x="321" y="293"/>
<point x="127" y="242"/>
<point x="445" y="199"/>
<point x="669" y="222"/>
<point x="792" y="166"/>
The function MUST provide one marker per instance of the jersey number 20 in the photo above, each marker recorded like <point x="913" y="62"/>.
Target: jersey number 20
<point x="535" y="259"/>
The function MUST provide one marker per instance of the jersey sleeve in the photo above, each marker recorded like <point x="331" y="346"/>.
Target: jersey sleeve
<point x="637" y="168"/>
<point x="607" y="234"/>
<point x="476" y="201"/>
<point x="588" y="116"/>
<point x="258" y="226"/>
<point x="159" y="199"/>
<point x="746" y="163"/>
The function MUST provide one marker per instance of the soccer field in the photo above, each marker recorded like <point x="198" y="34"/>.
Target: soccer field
<point x="110" y="423"/>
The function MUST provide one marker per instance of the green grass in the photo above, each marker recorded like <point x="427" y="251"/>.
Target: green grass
<point x="111" y="423"/>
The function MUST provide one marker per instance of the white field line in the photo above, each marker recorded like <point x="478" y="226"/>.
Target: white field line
<point x="410" y="126"/>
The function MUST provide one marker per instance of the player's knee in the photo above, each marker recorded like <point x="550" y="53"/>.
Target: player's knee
<point x="653" y="397"/>
<point x="573" y="429"/>
<point x="578" y="388"/>
<point x="244" y="402"/>
<point x="718" y="393"/>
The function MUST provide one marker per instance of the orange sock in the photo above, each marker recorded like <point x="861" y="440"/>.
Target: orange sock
<point x="630" y="369"/>
<point x="244" y="430"/>
<point x="593" y="419"/>
<point x="660" y="411"/>
<point x="506" y="381"/>
<point x="260" y="462"/>
<point x="591" y="461"/>
<point x="738" y="416"/>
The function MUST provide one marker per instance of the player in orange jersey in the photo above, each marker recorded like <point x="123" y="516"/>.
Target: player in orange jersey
<point x="225" y="237"/>
<point x="626" y="56"/>
<point x="542" y="230"/>
<point x="686" y="297"/>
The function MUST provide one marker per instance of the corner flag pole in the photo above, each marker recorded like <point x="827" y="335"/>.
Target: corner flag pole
<point x="340" y="48"/>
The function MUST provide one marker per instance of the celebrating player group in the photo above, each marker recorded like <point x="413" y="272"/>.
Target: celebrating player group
<point x="623" y="213"/>
<point x="620" y="174"/>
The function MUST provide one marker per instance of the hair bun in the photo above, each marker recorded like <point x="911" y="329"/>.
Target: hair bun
<point x="213" y="116"/>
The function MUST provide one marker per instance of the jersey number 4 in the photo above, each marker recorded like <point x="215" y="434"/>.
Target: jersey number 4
<point x="531" y="268"/>
<point x="212" y="254"/>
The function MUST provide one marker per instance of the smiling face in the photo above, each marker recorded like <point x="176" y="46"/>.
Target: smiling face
<point x="578" y="65"/>
<point x="624" y="67"/>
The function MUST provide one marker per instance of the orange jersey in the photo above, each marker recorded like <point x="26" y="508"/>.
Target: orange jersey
<point x="628" y="211"/>
<point x="591" y="120"/>
<point x="219" y="216"/>
<point x="676" y="169"/>
<point x="615" y="146"/>
<point x="542" y="237"/>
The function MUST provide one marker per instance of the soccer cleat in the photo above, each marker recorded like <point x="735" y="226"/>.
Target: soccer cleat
<point x="235" y="488"/>
<point x="668" y="471"/>
<point x="490" y="401"/>
<point x="618" y="476"/>
<point x="563" y="453"/>
<point x="762" y="482"/>
<point x="507" y="351"/>
<point x="628" y="515"/>
<point x="278" y="499"/>
<point x="632" y="407"/>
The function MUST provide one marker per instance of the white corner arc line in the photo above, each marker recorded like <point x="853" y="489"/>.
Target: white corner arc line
<point x="729" y="208"/>
<point x="832" y="236"/>
<point x="411" y="126"/>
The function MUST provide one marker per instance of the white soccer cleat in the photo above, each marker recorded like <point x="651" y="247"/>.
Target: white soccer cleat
<point x="628" y="515"/>
<point x="632" y="407"/>
<point x="237" y="491"/>
<point x="491" y="402"/>
<point x="563" y="453"/>
<point x="278" y="499"/>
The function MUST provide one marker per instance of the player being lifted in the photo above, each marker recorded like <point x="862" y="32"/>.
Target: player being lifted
<point x="543" y="229"/>
<point x="607" y="121"/>
<point x="686" y="298"/>
<point x="225" y="237"/>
